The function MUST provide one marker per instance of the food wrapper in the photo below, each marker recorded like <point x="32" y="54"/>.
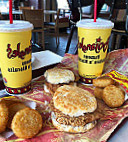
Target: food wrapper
<point x="48" y="133"/>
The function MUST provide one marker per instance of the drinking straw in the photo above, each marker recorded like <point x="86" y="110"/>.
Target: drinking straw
<point x="95" y="10"/>
<point x="10" y="12"/>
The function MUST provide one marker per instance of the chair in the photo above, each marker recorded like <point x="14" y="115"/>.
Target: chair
<point x="85" y="11"/>
<point x="27" y="7"/>
<point x="22" y="8"/>
<point x="64" y="13"/>
<point x="55" y="26"/>
<point x="36" y="17"/>
<point x="63" y="22"/>
<point x="63" y="19"/>
<point x="119" y="15"/>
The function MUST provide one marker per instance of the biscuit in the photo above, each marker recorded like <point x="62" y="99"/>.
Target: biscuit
<point x="57" y="75"/>
<point x="3" y="116"/>
<point x="26" y="123"/>
<point x="113" y="96"/>
<point x="103" y="81"/>
<point x="98" y="92"/>
<point x="74" y="101"/>
<point x="13" y="108"/>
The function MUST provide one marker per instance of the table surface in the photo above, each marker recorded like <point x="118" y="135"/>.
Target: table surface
<point x="13" y="12"/>
<point x="41" y="62"/>
<point x="50" y="12"/>
<point x="121" y="133"/>
<point x="20" y="12"/>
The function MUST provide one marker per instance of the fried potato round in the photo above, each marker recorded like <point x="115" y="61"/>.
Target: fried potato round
<point x="3" y="116"/>
<point x="26" y="123"/>
<point x="120" y="87"/>
<point x="103" y="81"/>
<point x="113" y="96"/>
<point x="98" y="92"/>
<point x="13" y="108"/>
<point x="9" y="102"/>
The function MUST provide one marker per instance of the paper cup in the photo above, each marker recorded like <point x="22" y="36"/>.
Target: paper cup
<point x="15" y="55"/>
<point x="93" y="40"/>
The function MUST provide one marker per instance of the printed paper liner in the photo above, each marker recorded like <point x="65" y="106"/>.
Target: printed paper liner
<point x="117" y="60"/>
<point x="104" y="128"/>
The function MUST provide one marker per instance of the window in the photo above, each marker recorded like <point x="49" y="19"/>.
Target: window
<point x="62" y="4"/>
<point x="4" y="5"/>
<point x="105" y="8"/>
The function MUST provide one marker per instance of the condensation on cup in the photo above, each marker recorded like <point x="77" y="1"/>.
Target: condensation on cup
<point x="93" y="40"/>
<point x="15" y="55"/>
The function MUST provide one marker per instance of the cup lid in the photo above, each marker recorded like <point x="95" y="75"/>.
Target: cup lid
<point x="17" y="26"/>
<point x="99" y="24"/>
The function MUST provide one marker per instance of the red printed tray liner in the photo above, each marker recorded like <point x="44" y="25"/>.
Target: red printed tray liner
<point x="102" y="130"/>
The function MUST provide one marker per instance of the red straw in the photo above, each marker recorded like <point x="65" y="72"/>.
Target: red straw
<point x="95" y="10"/>
<point x="10" y="12"/>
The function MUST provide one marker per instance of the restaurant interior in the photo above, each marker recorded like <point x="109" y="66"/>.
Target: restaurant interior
<point x="56" y="49"/>
<point x="58" y="32"/>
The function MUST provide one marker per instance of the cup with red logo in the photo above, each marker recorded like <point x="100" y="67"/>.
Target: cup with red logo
<point x="93" y="40"/>
<point x="15" y="55"/>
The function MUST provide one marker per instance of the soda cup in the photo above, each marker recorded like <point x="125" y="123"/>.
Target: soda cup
<point x="15" y="55"/>
<point x="93" y="40"/>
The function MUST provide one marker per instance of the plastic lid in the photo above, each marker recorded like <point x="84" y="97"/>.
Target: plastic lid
<point x="99" y="24"/>
<point x="17" y="26"/>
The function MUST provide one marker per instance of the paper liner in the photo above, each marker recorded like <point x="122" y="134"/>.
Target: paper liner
<point x="117" y="60"/>
<point x="104" y="127"/>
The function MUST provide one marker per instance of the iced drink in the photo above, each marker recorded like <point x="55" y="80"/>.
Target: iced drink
<point x="93" y="40"/>
<point x="15" y="55"/>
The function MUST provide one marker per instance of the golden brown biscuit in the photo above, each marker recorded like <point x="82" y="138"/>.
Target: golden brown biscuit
<point x="3" y="116"/>
<point x="26" y="123"/>
<point x="98" y="92"/>
<point x="113" y="96"/>
<point x="13" y="108"/>
<point x="57" y="75"/>
<point x="103" y="81"/>
<point x="74" y="101"/>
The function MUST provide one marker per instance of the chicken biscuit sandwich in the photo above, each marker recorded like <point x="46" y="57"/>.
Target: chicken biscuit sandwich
<point x="74" y="109"/>
<point x="57" y="77"/>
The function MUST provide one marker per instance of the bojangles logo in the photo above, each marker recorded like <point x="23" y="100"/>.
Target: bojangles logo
<point x="17" y="53"/>
<point x="97" y="46"/>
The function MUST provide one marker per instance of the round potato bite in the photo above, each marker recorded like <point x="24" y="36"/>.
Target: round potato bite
<point x="3" y="116"/>
<point x="26" y="123"/>
<point x="12" y="111"/>
<point x="103" y="81"/>
<point x="113" y="96"/>
<point x="98" y="92"/>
